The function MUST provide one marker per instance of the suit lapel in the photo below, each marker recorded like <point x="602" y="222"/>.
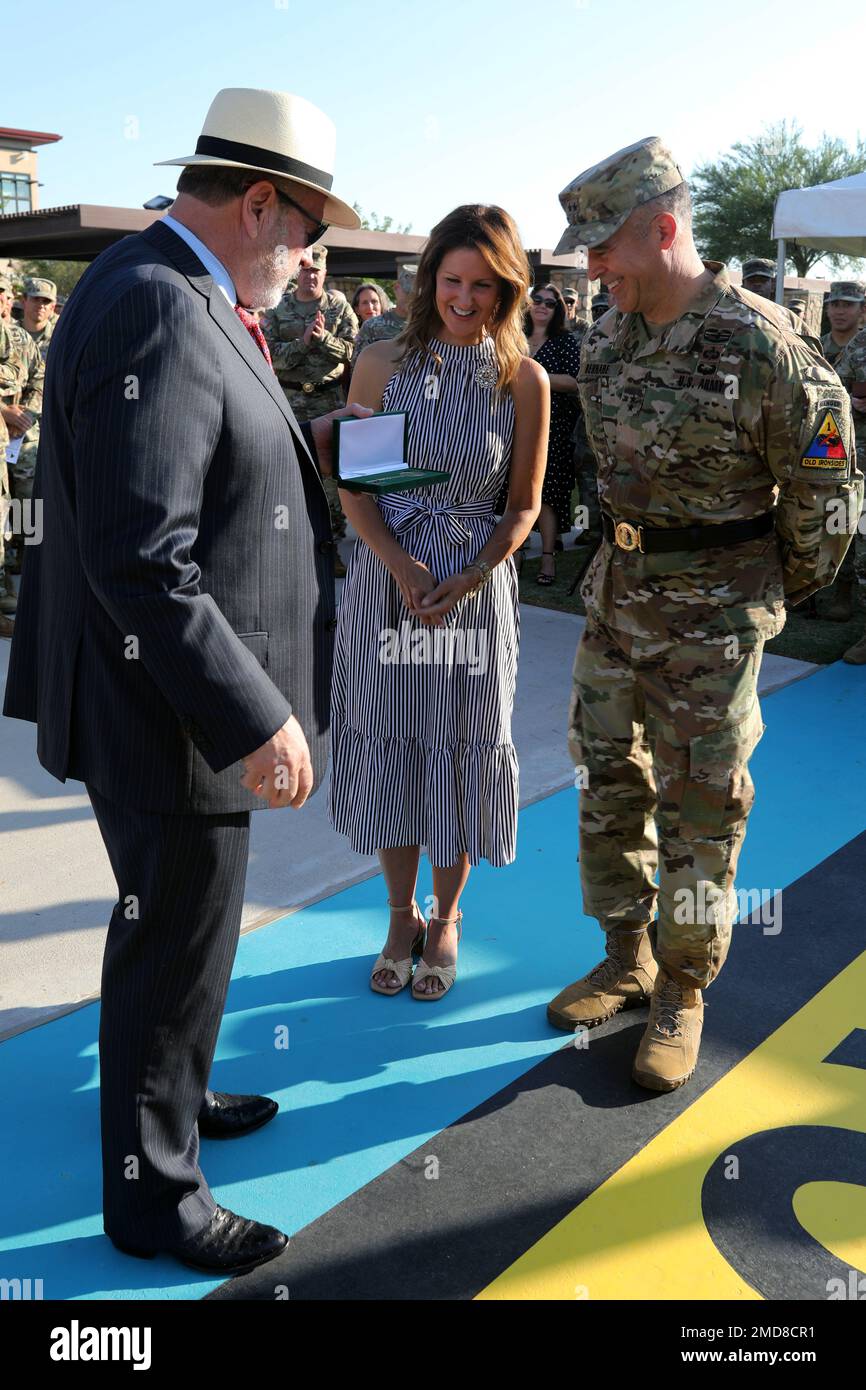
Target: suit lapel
<point x="189" y="265"/>
<point x="240" y="338"/>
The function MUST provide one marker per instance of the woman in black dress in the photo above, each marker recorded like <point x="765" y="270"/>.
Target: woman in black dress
<point x="558" y="352"/>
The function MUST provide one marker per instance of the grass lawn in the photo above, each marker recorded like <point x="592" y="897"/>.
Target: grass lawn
<point x="806" y="639"/>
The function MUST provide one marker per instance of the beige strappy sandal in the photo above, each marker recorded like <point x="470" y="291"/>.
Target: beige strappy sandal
<point x="447" y="974"/>
<point x="401" y="968"/>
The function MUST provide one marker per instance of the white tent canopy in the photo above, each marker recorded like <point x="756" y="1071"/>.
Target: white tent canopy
<point x="830" y="216"/>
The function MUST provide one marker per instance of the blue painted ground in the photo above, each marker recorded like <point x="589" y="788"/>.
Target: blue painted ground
<point x="366" y="1080"/>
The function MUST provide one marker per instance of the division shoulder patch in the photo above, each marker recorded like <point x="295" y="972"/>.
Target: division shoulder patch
<point x="826" y="449"/>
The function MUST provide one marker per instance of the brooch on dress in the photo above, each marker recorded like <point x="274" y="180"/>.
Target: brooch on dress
<point x="486" y="374"/>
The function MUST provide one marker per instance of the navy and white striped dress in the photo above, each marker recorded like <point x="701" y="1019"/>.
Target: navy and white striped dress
<point x="421" y="716"/>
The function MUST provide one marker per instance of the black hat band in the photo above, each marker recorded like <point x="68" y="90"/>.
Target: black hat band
<point x="267" y="159"/>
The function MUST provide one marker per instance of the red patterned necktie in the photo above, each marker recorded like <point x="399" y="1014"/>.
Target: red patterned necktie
<point x="254" y="331"/>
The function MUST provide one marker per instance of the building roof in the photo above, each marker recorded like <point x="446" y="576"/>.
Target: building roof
<point x="80" y="231"/>
<point x="26" y="137"/>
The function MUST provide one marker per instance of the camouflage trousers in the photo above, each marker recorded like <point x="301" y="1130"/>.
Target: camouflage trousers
<point x="21" y="474"/>
<point x="661" y="734"/>
<point x="853" y="567"/>
<point x="307" y="407"/>
<point x="5" y="519"/>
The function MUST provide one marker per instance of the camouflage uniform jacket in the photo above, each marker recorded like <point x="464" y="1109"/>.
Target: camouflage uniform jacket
<point x="7" y="370"/>
<point x="702" y="424"/>
<point x="30" y="371"/>
<point x="324" y="360"/>
<point x="831" y="349"/>
<point x="42" y="339"/>
<point x="851" y="368"/>
<point x="379" y="327"/>
<point x="9" y="375"/>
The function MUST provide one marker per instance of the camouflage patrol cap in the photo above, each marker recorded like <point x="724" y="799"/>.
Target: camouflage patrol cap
<point x="851" y="290"/>
<point x="40" y="289"/>
<point x="759" y="268"/>
<point x="600" y="300"/>
<point x="318" y="254"/>
<point x="600" y="199"/>
<point x="406" y="277"/>
<point x="570" y="295"/>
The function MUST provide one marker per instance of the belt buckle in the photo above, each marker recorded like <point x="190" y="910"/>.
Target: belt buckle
<point x="628" y="537"/>
<point x="307" y="387"/>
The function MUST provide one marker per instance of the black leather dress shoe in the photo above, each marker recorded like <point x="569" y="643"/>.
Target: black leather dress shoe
<point x="229" y="1244"/>
<point x="227" y="1117"/>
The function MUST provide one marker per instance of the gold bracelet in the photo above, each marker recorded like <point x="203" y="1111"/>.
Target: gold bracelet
<point x="484" y="569"/>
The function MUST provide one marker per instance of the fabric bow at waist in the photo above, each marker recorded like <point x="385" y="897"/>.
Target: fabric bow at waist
<point x="408" y="512"/>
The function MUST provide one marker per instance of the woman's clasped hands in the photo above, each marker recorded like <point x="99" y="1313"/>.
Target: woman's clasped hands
<point x="427" y="599"/>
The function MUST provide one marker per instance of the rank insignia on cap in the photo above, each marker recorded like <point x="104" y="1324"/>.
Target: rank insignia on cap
<point x="826" y="449"/>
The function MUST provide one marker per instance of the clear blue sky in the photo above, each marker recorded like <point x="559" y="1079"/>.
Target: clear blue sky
<point x="435" y="104"/>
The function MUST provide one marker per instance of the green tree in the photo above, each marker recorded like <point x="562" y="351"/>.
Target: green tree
<point x="734" y="197"/>
<point x="65" y="274"/>
<point x="374" y="223"/>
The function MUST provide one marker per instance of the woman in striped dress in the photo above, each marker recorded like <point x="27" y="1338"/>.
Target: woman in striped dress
<point x="425" y="659"/>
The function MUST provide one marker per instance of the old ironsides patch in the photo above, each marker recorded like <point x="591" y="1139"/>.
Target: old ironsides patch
<point x="826" y="449"/>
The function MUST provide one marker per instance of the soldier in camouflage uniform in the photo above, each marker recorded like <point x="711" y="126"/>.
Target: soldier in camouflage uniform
<point x="40" y="297"/>
<point x="311" y="336"/>
<point x="851" y="367"/>
<point x="21" y="406"/>
<point x="700" y="401"/>
<point x="759" y="276"/>
<point x="845" y="304"/>
<point x="572" y="322"/>
<point x="7" y="375"/>
<point x="393" y="321"/>
<point x="600" y="305"/>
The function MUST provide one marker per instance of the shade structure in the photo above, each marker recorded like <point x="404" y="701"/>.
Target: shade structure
<point x="830" y="216"/>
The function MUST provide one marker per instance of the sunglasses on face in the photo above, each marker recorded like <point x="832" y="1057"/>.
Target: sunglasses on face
<point x="539" y="299"/>
<point x="319" y="228"/>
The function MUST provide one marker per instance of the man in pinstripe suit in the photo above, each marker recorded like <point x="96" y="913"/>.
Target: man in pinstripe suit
<point x="174" y="637"/>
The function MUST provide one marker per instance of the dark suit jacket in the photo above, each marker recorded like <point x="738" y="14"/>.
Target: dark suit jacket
<point x="181" y="603"/>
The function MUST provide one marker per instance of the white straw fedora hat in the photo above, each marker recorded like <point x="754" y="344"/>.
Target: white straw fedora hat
<point x="273" y="133"/>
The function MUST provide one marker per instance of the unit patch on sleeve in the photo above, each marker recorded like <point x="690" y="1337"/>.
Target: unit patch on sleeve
<point x="827" y="449"/>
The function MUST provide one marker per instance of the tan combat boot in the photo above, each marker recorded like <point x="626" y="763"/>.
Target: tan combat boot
<point x="622" y="980"/>
<point x="7" y="625"/>
<point x="856" y="655"/>
<point x="668" y="1052"/>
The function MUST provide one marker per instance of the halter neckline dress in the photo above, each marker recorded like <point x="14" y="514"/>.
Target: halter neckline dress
<point x="421" y="717"/>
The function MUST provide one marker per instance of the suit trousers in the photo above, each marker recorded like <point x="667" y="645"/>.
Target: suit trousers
<point x="168" y="960"/>
<point x="661" y="734"/>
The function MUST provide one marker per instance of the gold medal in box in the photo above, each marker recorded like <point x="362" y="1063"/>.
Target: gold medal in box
<point x="369" y="455"/>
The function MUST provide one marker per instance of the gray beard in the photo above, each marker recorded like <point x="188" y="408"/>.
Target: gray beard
<point x="270" y="275"/>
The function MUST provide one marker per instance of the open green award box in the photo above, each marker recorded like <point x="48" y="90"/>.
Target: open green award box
<point x="369" y="455"/>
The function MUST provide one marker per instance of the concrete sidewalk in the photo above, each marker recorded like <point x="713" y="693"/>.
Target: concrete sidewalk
<point x="57" y="891"/>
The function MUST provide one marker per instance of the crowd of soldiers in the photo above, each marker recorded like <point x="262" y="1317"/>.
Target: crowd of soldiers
<point x="26" y="326"/>
<point x="314" y="335"/>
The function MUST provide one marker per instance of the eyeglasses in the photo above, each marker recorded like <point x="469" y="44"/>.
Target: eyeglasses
<point x="319" y="228"/>
<point x="539" y="299"/>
